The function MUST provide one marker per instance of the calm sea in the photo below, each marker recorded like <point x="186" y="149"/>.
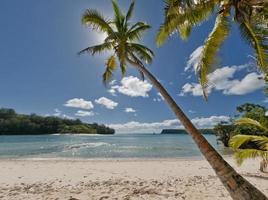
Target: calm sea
<point x="100" y="146"/>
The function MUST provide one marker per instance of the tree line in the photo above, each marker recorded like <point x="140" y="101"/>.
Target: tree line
<point x="12" y="123"/>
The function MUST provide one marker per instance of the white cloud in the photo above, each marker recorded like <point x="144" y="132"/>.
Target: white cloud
<point x="66" y="116"/>
<point x="160" y="95"/>
<point x="138" y="127"/>
<point x="248" y="84"/>
<point x="82" y="113"/>
<point x="130" y="110"/>
<point x="113" y="82"/>
<point x="79" y="103"/>
<point x="194" y="59"/>
<point x="112" y="91"/>
<point x="223" y="80"/>
<point x="193" y="88"/>
<point x="58" y="113"/>
<point x="191" y="111"/>
<point x="209" y="122"/>
<point x="159" y="98"/>
<point x="132" y="86"/>
<point x="109" y="104"/>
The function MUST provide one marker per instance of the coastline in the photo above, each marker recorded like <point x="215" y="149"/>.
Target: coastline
<point x="180" y="178"/>
<point x="101" y="159"/>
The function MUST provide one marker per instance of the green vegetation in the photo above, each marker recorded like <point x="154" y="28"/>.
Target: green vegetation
<point x="12" y="123"/>
<point x="247" y="134"/>
<point x="225" y="130"/>
<point x="250" y="146"/>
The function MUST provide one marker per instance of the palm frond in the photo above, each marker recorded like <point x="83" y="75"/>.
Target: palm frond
<point x="142" y="51"/>
<point x="248" y="121"/>
<point x="134" y="60"/>
<point x="185" y="30"/>
<point x="130" y="11"/>
<point x="119" y="17"/>
<point x="121" y="53"/>
<point x="239" y="140"/>
<point x="176" y="14"/>
<point x="257" y="37"/>
<point x="94" y="19"/>
<point x="136" y="33"/>
<point x="244" y="154"/>
<point x="211" y="48"/>
<point x="110" y="67"/>
<point x="262" y="142"/>
<point x="112" y="37"/>
<point x="97" y="48"/>
<point x="123" y="68"/>
<point x="134" y="26"/>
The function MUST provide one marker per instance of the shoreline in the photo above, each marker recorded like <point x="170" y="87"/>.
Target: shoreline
<point x="134" y="159"/>
<point x="122" y="179"/>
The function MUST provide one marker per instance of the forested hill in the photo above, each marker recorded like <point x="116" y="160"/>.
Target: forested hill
<point x="12" y="123"/>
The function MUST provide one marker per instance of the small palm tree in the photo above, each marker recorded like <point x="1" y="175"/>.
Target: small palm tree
<point x="250" y="146"/>
<point x="250" y="15"/>
<point x="122" y="42"/>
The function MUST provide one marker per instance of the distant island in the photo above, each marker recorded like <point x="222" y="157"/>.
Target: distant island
<point x="12" y="123"/>
<point x="182" y="131"/>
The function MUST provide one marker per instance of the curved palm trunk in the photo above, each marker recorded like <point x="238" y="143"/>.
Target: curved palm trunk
<point x="238" y="187"/>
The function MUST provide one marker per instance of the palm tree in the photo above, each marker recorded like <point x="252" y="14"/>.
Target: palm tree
<point x="122" y="42"/>
<point x="250" y="15"/>
<point x="250" y="146"/>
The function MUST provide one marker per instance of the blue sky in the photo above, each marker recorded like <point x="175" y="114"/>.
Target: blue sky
<point x="41" y="73"/>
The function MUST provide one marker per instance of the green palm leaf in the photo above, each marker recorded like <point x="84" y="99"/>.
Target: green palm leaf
<point x="185" y="30"/>
<point x="130" y="11"/>
<point x="94" y="19"/>
<point x="134" y="26"/>
<point x="110" y="67"/>
<point x="248" y="121"/>
<point x="238" y="141"/>
<point x="177" y="13"/>
<point x="121" y="53"/>
<point x="144" y="53"/>
<point x="257" y="37"/>
<point x="136" y="33"/>
<point x="97" y="48"/>
<point x="242" y="155"/>
<point x="119" y="17"/>
<point x="211" y="48"/>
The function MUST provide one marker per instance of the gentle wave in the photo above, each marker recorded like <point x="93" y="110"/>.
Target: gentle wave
<point x="86" y="145"/>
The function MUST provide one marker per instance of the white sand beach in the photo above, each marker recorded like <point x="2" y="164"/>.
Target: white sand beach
<point x="118" y="179"/>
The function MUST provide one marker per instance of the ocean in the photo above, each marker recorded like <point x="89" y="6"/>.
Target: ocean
<point x="102" y="146"/>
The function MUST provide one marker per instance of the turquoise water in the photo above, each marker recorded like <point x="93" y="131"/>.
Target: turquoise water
<point x="100" y="146"/>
